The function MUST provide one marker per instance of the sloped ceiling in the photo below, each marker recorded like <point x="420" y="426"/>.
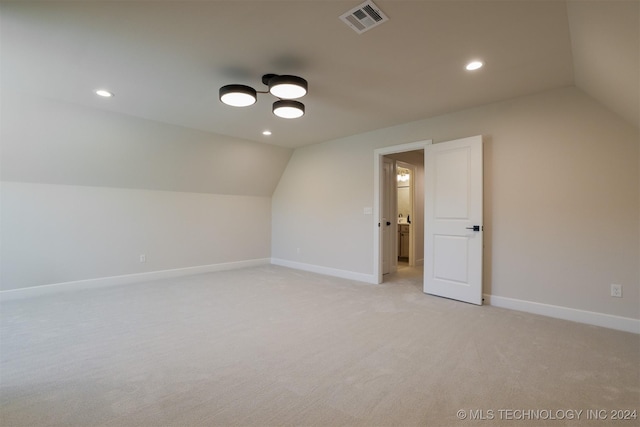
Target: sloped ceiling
<point x="166" y="60"/>
<point x="605" y="43"/>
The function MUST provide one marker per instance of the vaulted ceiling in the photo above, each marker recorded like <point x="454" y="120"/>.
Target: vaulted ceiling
<point x="166" y="60"/>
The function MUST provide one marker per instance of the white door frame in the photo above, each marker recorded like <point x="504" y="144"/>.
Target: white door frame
<point x="378" y="154"/>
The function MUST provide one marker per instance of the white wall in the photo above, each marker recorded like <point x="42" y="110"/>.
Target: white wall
<point x="62" y="233"/>
<point x="85" y="192"/>
<point x="561" y="200"/>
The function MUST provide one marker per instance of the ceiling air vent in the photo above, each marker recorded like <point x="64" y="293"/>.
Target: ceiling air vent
<point x="364" y="17"/>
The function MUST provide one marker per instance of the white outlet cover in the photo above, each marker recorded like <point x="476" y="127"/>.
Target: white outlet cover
<point x="616" y="291"/>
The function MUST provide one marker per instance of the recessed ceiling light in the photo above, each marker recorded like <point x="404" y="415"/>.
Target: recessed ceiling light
<point x="266" y="132"/>
<point x="104" y="93"/>
<point x="474" y="65"/>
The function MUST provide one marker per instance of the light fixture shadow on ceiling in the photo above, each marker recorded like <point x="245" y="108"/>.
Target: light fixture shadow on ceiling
<point x="236" y="73"/>
<point x="288" y="62"/>
<point x="286" y="88"/>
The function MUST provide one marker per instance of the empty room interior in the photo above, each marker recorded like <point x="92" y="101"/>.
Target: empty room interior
<point x="320" y="213"/>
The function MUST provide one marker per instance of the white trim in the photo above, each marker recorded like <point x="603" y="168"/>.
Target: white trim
<point x="328" y="271"/>
<point x="619" y="323"/>
<point x="125" y="279"/>
<point x="411" y="146"/>
<point x="377" y="165"/>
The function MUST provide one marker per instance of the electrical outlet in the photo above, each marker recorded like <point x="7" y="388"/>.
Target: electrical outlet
<point x="616" y="291"/>
<point x="143" y="258"/>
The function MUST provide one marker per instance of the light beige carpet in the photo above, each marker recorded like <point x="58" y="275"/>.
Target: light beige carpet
<point x="271" y="346"/>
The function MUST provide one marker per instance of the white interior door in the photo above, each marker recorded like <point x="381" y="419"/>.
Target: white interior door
<point x="386" y="223"/>
<point x="453" y="220"/>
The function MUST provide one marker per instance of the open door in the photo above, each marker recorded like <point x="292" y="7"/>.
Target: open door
<point x="453" y="220"/>
<point x="388" y="217"/>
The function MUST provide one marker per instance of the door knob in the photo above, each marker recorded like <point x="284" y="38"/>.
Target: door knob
<point x="388" y="222"/>
<point x="474" y="228"/>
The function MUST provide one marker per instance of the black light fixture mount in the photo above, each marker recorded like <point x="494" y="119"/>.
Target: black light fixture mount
<point x="284" y="87"/>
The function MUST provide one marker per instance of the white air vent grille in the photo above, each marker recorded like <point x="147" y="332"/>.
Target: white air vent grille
<point x="364" y="17"/>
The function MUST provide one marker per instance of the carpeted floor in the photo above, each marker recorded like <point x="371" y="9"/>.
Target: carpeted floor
<point x="270" y="346"/>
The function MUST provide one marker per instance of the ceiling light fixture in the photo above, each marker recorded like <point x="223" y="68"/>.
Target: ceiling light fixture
<point x="266" y="132"/>
<point x="474" y="65"/>
<point x="286" y="88"/>
<point x="104" y="93"/>
<point x="288" y="109"/>
<point x="238" y="95"/>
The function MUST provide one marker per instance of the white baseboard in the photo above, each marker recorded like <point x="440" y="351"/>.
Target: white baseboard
<point x="126" y="279"/>
<point x="343" y="274"/>
<point x="582" y="316"/>
<point x="589" y="317"/>
<point x="626" y="324"/>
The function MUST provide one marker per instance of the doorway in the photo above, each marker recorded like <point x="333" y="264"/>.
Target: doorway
<point x="453" y="210"/>
<point x="406" y="197"/>
<point x="386" y="202"/>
